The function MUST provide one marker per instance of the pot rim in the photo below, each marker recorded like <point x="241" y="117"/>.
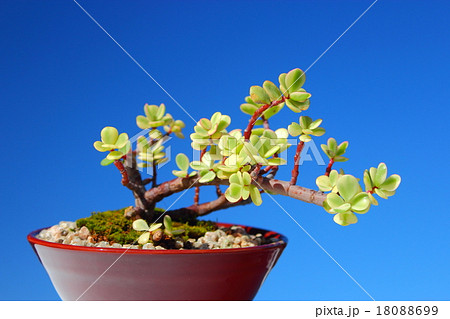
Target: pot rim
<point x="31" y="237"/>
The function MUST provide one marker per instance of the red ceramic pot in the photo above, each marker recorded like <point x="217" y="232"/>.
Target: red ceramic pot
<point x="93" y="273"/>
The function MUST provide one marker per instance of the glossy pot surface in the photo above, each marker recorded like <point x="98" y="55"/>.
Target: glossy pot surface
<point x="94" y="273"/>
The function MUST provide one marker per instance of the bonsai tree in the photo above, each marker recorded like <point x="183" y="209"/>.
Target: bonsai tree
<point x="245" y="161"/>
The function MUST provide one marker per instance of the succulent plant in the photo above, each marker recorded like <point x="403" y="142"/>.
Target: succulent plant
<point x="241" y="188"/>
<point x="334" y="151"/>
<point x="175" y="127"/>
<point x="291" y="85"/>
<point x="305" y="128"/>
<point x="245" y="160"/>
<point x="328" y="183"/>
<point x="117" y="144"/>
<point x="250" y="107"/>
<point x="154" y="116"/>
<point x="150" y="153"/>
<point x="168" y="227"/>
<point x="376" y="182"/>
<point x="206" y="168"/>
<point x="183" y="164"/>
<point x="208" y="132"/>
<point x="348" y="200"/>
<point x="141" y="225"/>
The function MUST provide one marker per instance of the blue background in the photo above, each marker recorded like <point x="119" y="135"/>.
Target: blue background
<point x="383" y="87"/>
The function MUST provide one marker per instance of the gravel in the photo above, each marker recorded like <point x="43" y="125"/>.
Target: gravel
<point x="234" y="237"/>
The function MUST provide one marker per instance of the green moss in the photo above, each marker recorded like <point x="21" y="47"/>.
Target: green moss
<point x="112" y="226"/>
<point x="195" y="231"/>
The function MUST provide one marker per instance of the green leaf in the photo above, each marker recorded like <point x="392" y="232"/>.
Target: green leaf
<point x="299" y="96"/>
<point x="334" y="176"/>
<point x="373" y="172"/>
<point x="259" y="95"/>
<point x="282" y="80"/>
<point x="99" y="147"/>
<point x="324" y="183"/>
<point x="246" y="178"/>
<point x="122" y="140"/>
<point x="360" y="202"/>
<point x="318" y="131"/>
<point x="343" y="208"/>
<point x="109" y="135"/>
<point x="345" y="219"/>
<point x="236" y="178"/>
<point x="315" y="124"/>
<point x="200" y="131"/>
<point x="205" y="124"/>
<point x="272" y="111"/>
<point x="325" y="149"/>
<point x="245" y="192"/>
<point x="167" y="222"/>
<point x="250" y="150"/>
<point x="154" y="227"/>
<point x="181" y="174"/>
<point x="391" y="183"/>
<point x="151" y="111"/>
<point x="161" y="111"/>
<point x="272" y="151"/>
<point x="140" y="225"/>
<point x="182" y="162"/>
<point x="249" y="100"/>
<point x="106" y="162"/>
<point x="248" y="108"/>
<point x="367" y="181"/>
<point x="342" y="148"/>
<point x="142" y="122"/>
<point x="216" y="118"/>
<point x="348" y="187"/>
<point x="295" y="80"/>
<point x="255" y="195"/>
<point x="199" y="166"/>
<point x="380" y="175"/>
<point x="305" y="121"/>
<point x="305" y="138"/>
<point x="144" y="238"/>
<point x="233" y="193"/>
<point x="225" y="120"/>
<point x="276" y="161"/>
<point x="213" y="129"/>
<point x="332" y="146"/>
<point x="272" y="90"/>
<point x="176" y="232"/>
<point x="372" y="199"/>
<point x="208" y="177"/>
<point x="334" y="200"/>
<point x="297" y="107"/>
<point x="295" y="129"/>
<point x="114" y="155"/>
<point x="282" y="133"/>
<point x="340" y="159"/>
<point x="380" y="193"/>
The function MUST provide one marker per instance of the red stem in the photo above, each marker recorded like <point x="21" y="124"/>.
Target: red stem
<point x="197" y="189"/>
<point x="330" y="165"/>
<point x="296" y="162"/>
<point x="257" y="114"/>
<point x="122" y="171"/>
<point x="218" y="191"/>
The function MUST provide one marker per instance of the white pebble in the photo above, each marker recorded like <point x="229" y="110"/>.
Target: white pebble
<point x="84" y="232"/>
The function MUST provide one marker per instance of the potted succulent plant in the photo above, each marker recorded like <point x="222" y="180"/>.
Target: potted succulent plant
<point x="145" y="253"/>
